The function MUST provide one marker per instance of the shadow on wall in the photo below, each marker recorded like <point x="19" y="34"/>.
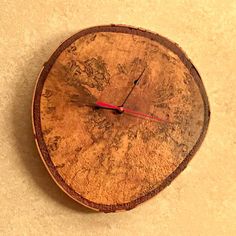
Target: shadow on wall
<point x="23" y="127"/>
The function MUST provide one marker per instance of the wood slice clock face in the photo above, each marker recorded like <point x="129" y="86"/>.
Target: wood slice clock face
<point x="108" y="157"/>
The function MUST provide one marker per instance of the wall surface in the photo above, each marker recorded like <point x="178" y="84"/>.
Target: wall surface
<point x="201" y="201"/>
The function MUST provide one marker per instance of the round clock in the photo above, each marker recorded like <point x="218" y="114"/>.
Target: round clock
<point x="118" y="113"/>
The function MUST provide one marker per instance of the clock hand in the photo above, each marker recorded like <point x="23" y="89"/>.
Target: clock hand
<point x="135" y="83"/>
<point x="129" y="111"/>
<point x="141" y="114"/>
<point x="108" y="106"/>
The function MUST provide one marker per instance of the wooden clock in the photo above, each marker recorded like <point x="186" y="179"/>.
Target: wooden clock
<point x="118" y="113"/>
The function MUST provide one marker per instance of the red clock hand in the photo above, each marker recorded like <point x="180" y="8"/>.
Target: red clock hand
<point x="122" y="109"/>
<point x="137" y="113"/>
<point x="106" y="105"/>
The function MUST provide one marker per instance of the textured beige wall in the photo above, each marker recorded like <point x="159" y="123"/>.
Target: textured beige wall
<point x="201" y="201"/>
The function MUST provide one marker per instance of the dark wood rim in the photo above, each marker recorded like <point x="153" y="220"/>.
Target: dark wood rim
<point x="37" y="122"/>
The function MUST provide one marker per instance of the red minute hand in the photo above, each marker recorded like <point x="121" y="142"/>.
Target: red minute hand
<point x="137" y="113"/>
<point x="122" y="109"/>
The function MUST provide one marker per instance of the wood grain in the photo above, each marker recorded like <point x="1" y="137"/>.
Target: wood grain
<point x="102" y="159"/>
